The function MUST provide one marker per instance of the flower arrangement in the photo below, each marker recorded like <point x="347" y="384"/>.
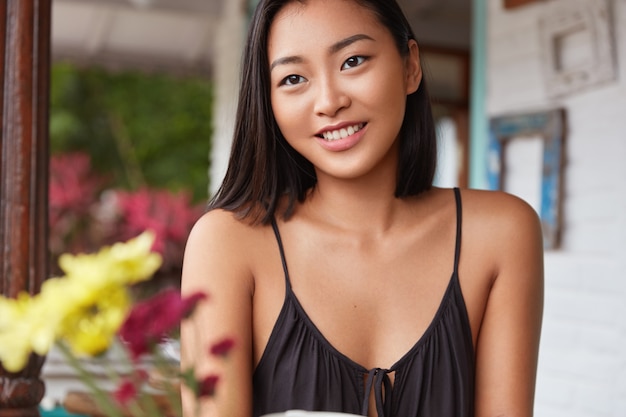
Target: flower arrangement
<point x="90" y="309"/>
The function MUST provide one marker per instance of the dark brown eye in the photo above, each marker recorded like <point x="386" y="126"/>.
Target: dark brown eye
<point x="292" y="79"/>
<point x="353" y="61"/>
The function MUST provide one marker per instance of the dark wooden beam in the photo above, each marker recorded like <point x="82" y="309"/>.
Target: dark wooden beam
<point x="25" y="73"/>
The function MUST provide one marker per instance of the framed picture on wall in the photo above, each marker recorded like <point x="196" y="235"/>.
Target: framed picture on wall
<point x="549" y="126"/>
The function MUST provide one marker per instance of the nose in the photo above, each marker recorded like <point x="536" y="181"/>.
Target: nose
<point x="331" y="98"/>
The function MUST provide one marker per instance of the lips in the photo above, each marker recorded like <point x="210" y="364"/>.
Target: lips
<point x="342" y="133"/>
<point x="341" y="137"/>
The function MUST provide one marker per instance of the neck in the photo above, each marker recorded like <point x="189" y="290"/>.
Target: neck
<point x="365" y="204"/>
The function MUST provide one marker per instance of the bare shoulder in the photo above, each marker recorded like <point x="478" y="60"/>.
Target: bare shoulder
<point x="501" y="227"/>
<point x="494" y="202"/>
<point x="220" y="223"/>
<point x="219" y="243"/>
<point x="499" y="213"/>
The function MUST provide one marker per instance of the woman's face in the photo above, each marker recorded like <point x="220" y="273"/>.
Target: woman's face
<point x="339" y="86"/>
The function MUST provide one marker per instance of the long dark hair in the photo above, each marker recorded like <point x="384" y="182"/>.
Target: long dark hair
<point x="263" y="167"/>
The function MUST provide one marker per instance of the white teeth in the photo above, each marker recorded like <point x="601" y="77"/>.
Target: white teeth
<point x="342" y="133"/>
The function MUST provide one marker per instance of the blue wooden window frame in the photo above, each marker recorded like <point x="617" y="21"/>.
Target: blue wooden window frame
<point x="550" y="126"/>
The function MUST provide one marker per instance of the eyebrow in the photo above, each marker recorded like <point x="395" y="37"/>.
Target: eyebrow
<point x="333" y="49"/>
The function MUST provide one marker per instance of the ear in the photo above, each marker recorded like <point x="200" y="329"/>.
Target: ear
<point x="413" y="68"/>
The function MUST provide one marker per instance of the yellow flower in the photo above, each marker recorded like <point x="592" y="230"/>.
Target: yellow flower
<point x="26" y="326"/>
<point x="90" y="328"/>
<point x="85" y="308"/>
<point x="14" y="345"/>
<point x="14" y="352"/>
<point x="10" y="311"/>
<point x="122" y="263"/>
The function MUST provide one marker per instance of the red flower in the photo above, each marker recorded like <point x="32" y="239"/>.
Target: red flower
<point x="169" y="215"/>
<point x="150" y="321"/>
<point x="73" y="188"/>
<point x="222" y="348"/>
<point x="125" y="392"/>
<point x="206" y="386"/>
<point x="188" y="304"/>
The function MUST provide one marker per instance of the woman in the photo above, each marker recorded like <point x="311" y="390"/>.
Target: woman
<point x="330" y="258"/>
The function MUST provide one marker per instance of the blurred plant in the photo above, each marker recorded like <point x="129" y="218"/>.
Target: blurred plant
<point x="142" y="130"/>
<point x="85" y="215"/>
<point x="73" y="188"/>
<point x="81" y="309"/>
<point x="89" y="309"/>
<point x="170" y="215"/>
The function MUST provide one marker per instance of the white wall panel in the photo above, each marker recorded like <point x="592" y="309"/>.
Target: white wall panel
<point x="582" y="367"/>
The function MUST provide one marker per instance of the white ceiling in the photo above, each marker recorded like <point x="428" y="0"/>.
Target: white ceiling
<point x="177" y="36"/>
<point x="163" y="35"/>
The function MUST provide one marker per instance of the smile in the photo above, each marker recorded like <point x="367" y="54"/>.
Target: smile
<point x="343" y="133"/>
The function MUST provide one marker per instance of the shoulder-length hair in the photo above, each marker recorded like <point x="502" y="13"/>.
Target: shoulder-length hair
<point x="263" y="168"/>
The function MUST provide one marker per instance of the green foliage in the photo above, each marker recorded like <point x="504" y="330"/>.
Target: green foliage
<point x="140" y="130"/>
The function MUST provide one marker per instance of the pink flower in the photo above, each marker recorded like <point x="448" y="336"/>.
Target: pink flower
<point x="150" y="321"/>
<point x="222" y="348"/>
<point x="169" y="215"/>
<point x="125" y="392"/>
<point x="73" y="189"/>
<point x="73" y="185"/>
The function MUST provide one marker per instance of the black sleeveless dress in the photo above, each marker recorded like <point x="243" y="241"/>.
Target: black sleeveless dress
<point x="435" y="378"/>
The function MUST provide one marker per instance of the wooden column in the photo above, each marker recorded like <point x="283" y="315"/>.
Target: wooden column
<point x="25" y="73"/>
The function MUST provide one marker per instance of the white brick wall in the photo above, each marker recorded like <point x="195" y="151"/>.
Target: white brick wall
<point x="582" y="367"/>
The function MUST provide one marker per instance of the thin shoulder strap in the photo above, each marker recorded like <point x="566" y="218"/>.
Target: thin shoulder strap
<point x="459" y="215"/>
<point x="282" y="253"/>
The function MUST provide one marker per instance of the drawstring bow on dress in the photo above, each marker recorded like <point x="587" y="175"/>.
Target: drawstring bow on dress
<point x="379" y="379"/>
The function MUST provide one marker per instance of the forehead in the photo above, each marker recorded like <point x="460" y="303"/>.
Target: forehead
<point x="320" y="23"/>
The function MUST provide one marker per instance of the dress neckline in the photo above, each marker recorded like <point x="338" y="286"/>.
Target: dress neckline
<point x="421" y="340"/>
<point x="453" y="286"/>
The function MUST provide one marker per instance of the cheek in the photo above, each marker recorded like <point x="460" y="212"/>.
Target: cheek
<point x="386" y="98"/>
<point x="289" y="115"/>
<point x="393" y="92"/>
<point x="384" y="88"/>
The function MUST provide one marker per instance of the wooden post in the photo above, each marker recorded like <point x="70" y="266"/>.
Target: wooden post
<point x="25" y="73"/>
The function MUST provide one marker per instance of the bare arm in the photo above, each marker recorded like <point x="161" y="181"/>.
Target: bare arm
<point x="215" y="263"/>
<point x="508" y="340"/>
